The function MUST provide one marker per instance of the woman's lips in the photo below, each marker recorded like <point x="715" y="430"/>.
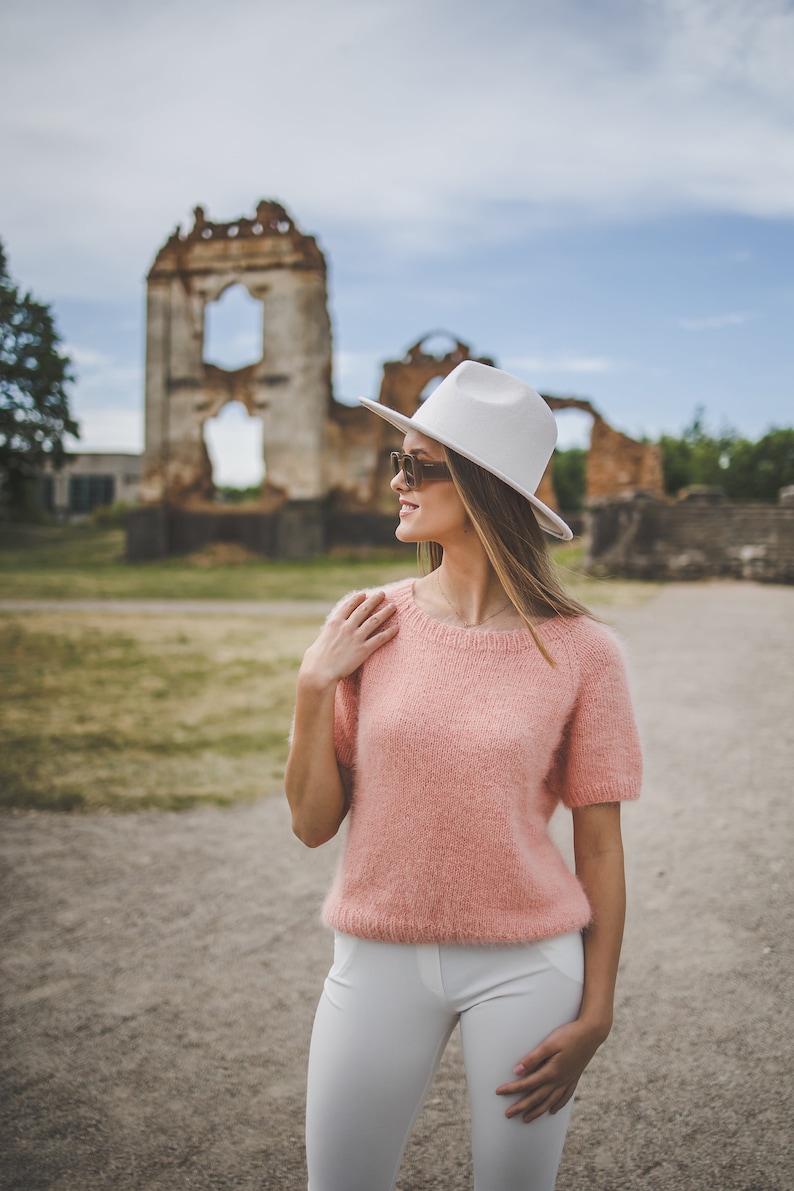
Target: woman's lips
<point x="406" y="507"/>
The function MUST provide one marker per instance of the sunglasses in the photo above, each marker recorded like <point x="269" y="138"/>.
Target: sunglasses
<point x="416" y="471"/>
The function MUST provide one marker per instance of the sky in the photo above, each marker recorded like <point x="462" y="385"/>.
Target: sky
<point x="598" y="194"/>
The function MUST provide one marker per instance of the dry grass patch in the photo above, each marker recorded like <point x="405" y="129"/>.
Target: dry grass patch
<point x="130" y="712"/>
<point x="122" y="712"/>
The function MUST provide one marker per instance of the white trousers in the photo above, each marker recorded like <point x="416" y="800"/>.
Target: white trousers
<point x="384" y="1018"/>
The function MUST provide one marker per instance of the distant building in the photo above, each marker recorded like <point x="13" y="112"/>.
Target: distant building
<point x="88" y="481"/>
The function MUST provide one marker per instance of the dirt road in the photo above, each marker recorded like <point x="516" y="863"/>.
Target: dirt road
<point x="160" y="971"/>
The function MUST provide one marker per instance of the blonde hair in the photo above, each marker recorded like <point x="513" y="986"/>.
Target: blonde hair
<point x="514" y="542"/>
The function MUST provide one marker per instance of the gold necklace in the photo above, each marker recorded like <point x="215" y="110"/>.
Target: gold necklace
<point x="475" y="623"/>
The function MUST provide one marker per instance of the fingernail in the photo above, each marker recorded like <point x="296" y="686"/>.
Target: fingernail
<point x="519" y="1069"/>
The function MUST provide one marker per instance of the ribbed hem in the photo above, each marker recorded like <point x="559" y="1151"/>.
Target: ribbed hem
<point x="622" y="791"/>
<point x="383" y="929"/>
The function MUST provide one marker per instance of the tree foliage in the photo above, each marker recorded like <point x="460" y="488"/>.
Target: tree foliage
<point x="697" y="457"/>
<point x="758" y="470"/>
<point x="568" y="475"/>
<point x="34" y="375"/>
<point x="744" y="470"/>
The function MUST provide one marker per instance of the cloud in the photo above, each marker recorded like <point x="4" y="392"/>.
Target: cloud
<point x="430" y="146"/>
<point x="103" y="374"/>
<point x="87" y="358"/>
<point x="576" y="364"/>
<point x="107" y="401"/>
<point x="108" y="429"/>
<point x="428" y="128"/>
<point x="715" y="322"/>
<point x="357" y="373"/>
<point x="738" y="256"/>
<point x="349" y="363"/>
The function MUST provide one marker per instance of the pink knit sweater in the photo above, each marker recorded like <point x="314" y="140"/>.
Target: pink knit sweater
<point x="461" y="744"/>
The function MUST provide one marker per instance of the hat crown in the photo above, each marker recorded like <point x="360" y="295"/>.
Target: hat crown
<point x="491" y="415"/>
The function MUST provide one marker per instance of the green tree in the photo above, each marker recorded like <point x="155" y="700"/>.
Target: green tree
<point x="34" y="407"/>
<point x="568" y="474"/>
<point x="698" y="456"/>
<point x="676" y="463"/>
<point x="745" y="470"/>
<point x="757" y="471"/>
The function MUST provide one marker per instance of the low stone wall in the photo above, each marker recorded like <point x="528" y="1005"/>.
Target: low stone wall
<point x="295" y="531"/>
<point x="649" y="539"/>
<point x="299" y="529"/>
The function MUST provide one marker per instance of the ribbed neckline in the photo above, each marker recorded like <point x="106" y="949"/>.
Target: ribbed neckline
<point x="493" y="640"/>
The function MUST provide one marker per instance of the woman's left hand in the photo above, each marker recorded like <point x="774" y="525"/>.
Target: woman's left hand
<point x="548" y="1075"/>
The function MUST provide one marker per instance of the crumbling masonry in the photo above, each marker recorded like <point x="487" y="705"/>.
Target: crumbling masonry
<point x="289" y="388"/>
<point x="327" y="464"/>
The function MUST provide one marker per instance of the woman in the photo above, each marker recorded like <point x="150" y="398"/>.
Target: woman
<point x="445" y="719"/>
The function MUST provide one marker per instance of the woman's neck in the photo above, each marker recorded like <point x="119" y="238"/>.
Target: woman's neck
<point x="465" y="589"/>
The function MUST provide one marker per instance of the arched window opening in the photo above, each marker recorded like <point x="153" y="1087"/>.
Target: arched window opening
<point x="574" y="427"/>
<point x="235" y="447"/>
<point x="569" y="463"/>
<point x="233" y="329"/>
<point x="439" y="344"/>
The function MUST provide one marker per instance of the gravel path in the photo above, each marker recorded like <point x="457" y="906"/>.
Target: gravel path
<point x="160" y="971"/>
<point x="175" y="607"/>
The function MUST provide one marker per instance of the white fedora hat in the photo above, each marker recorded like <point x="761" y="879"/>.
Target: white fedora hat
<point x="496" y="421"/>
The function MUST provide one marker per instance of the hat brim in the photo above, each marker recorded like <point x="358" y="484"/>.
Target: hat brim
<point x="546" y="517"/>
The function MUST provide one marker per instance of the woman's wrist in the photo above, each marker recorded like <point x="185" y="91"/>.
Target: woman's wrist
<point x="596" y="1022"/>
<point x="316" y="681"/>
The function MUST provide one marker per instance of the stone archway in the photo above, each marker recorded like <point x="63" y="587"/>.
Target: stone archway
<point x="404" y="381"/>
<point x="289" y="387"/>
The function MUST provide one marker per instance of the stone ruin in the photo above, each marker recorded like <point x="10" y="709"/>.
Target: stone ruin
<point x="288" y="388"/>
<point x="617" y="468"/>
<point x="327" y="464"/>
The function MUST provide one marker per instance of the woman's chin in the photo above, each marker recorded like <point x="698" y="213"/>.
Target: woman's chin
<point x="405" y="533"/>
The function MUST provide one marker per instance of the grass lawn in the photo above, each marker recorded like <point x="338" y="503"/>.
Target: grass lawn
<point x="82" y="562"/>
<point x="127" y="711"/>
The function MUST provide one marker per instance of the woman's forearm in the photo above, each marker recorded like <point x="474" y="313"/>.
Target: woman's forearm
<point x="312" y="781"/>
<point x="599" y="867"/>
<point x="548" y="1075"/>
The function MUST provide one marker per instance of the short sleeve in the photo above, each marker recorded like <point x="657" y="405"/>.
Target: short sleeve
<point x="346" y="720"/>
<point x="599" y="758"/>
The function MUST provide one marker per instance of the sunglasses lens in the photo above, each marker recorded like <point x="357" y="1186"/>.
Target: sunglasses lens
<point x="409" y="466"/>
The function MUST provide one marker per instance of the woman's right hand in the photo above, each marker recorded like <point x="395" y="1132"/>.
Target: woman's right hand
<point x="354" y="630"/>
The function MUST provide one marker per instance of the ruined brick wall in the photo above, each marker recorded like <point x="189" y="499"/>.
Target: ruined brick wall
<point x="359" y="459"/>
<point x="289" y="388"/>
<point x="619" y="466"/>
<point x="616" y="464"/>
<point x="649" y="539"/>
